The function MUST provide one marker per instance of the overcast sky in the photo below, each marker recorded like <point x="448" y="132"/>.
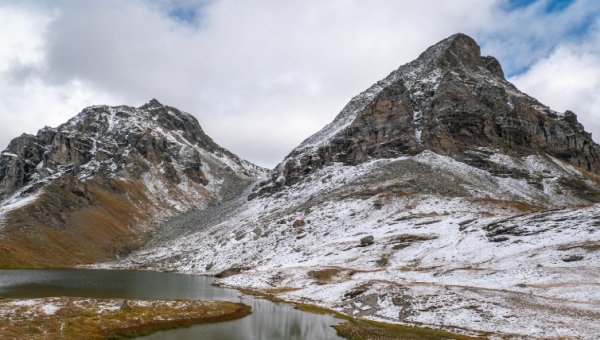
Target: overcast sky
<point x="263" y="75"/>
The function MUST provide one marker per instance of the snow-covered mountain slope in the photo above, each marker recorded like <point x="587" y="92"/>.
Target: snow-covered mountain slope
<point x="133" y="166"/>
<point x="452" y="262"/>
<point x="440" y="196"/>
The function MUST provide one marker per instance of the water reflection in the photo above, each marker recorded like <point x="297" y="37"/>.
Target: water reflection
<point x="268" y="321"/>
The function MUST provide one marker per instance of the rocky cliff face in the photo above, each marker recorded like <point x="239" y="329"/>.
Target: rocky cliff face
<point x="451" y="101"/>
<point x="155" y="159"/>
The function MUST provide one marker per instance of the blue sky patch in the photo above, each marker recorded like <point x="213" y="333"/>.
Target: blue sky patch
<point x="185" y="14"/>
<point x="552" y="5"/>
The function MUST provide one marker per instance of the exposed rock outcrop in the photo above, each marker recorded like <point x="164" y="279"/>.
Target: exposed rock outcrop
<point x="451" y="101"/>
<point x="124" y="142"/>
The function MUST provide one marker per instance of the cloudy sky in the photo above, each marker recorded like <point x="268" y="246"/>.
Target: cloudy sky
<point x="263" y="75"/>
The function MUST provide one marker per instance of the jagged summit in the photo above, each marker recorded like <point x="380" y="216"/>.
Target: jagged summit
<point x="152" y="103"/>
<point x="462" y="52"/>
<point x="451" y="102"/>
<point x="119" y="142"/>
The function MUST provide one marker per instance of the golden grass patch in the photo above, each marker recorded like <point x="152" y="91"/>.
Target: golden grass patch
<point x="80" y="318"/>
<point x="371" y="330"/>
<point x="520" y="206"/>
<point x="62" y="229"/>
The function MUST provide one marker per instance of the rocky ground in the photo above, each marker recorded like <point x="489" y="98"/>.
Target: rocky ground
<point x="440" y="196"/>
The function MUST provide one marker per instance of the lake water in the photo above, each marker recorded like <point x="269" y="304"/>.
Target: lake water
<point x="268" y="321"/>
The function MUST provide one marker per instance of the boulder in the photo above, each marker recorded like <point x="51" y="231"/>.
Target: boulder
<point x="299" y="223"/>
<point x="229" y="272"/>
<point x="367" y="241"/>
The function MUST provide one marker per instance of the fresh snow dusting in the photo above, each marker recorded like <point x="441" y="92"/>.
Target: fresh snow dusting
<point x="111" y="141"/>
<point x="12" y="203"/>
<point x="486" y="243"/>
<point x="421" y="73"/>
<point x="455" y="262"/>
<point x="421" y="78"/>
<point x="18" y="309"/>
<point x="50" y="309"/>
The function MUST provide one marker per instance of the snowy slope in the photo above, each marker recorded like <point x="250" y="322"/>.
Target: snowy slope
<point x="441" y="196"/>
<point x="94" y="188"/>
<point x="451" y="101"/>
<point x="446" y="253"/>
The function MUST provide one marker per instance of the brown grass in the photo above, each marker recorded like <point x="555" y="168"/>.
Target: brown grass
<point x="324" y="275"/>
<point x="60" y="230"/>
<point x="355" y="329"/>
<point x="79" y="318"/>
<point x="269" y="293"/>
<point x="371" y="330"/>
<point x="589" y="175"/>
<point x="520" y="206"/>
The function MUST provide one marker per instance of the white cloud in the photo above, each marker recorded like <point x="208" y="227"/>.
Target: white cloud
<point x="27" y="103"/>
<point x="260" y="76"/>
<point x="520" y="38"/>
<point x="568" y="79"/>
<point x="21" y="37"/>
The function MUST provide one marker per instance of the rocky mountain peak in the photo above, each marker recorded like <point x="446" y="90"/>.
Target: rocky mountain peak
<point x="121" y="142"/>
<point x="153" y="103"/>
<point x="442" y="186"/>
<point x="95" y="186"/>
<point x="458" y="50"/>
<point x="493" y="65"/>
<point x="451" y="102"/>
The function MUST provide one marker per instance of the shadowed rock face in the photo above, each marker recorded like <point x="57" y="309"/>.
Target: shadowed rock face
<point x="450" y="100"/>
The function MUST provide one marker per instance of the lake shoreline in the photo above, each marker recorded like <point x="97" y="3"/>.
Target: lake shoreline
<point x="353" y="328"/>
<point x="364" y="329"/>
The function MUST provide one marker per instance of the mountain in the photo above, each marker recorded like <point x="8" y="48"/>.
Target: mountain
<point x="93" y="187"/>
<point x="441" y="196"/>
<point x="452" y="102"/>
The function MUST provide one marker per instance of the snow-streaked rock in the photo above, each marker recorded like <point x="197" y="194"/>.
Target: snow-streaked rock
<point x="451" y="101"/>
<point x="154" y="143"/>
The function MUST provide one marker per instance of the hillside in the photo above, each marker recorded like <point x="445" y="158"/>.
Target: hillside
<point x="441" y="196"/>
<point x="94" y="187"/>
